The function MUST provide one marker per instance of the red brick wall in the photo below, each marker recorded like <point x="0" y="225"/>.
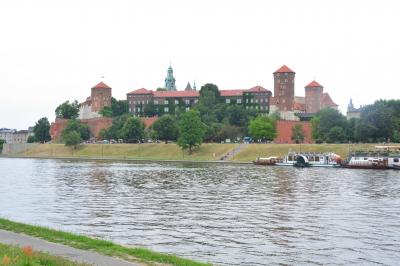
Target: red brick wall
<point x="95" y="126"/>
<point x="284" y="131"/>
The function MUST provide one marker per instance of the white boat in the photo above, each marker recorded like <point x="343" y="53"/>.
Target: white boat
<point x="373" y="160"/>
<point x="310" y="159"/>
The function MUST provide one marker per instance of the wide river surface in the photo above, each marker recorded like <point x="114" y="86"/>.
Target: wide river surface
<point x="223" y="214"/>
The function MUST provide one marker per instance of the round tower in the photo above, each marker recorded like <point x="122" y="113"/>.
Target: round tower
<point x="314" y="95"/>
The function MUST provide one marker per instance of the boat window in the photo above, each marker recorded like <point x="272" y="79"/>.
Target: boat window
<point x="396" y="160"/>
<point x="317" y="159"/>
<point x="365" y="158"/>
<point x="290" y="158"/>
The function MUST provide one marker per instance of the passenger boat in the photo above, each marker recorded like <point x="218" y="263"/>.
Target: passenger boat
<point x="310" y="159"/>
<point x="373" y="160"/>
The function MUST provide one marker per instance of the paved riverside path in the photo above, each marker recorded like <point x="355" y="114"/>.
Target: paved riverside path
<point x="231" y="154"/>
<point x="73" y="254"/>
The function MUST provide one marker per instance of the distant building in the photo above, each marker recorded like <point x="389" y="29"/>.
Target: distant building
<point x="167" y="102"/>
<point x="170" y="80"/>
<point x="7" y="134"/>
<point x="15" y="136"/>
<point x="100" y="97"/>
<point x="352" y="112"/>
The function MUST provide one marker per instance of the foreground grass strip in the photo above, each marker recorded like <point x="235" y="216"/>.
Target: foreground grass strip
<point x="102" y="246"/>
<point x="15" y="256"/>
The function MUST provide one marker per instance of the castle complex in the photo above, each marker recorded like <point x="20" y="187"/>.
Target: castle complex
<point x="292" y="109"/>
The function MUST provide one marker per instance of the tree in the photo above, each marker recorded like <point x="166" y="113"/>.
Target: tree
<point x="31" y="139"/>
<point x="161" y="89"/>
<point x="336" y="134"/>
<point x="262" y="128"/>
<point x="75" y="125"/>
<point x="72" y="139"/>
<point x="68" y="110"/>
<point x="298" y="133"/>
<point x="115" y="131"/>
<point x="208" y="103"/>
<point x="166" y="128"/>
<point x="230" y="132"/>
<point x="117" y="108"/>
<point x="106" y="111"/>
<point x="41" y="130"/>
<point x="325" y="120"/>
<point x="191" y="130"/>
<point x="2" y="141"/>
<point x="133" y="130"/>
<point x="237" y="115"/>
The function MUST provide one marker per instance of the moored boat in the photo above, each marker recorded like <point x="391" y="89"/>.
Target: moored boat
<point x="265" y="161"/>
<point x="310" y="159"/>
<point x="373" y="160"/>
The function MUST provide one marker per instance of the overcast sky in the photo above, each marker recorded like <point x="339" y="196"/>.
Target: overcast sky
<point x="53" y="51"/>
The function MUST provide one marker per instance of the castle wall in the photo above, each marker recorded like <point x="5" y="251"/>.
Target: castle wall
<point x="284" y="131"/>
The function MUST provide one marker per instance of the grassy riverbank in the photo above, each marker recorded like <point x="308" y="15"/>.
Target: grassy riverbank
<point x="15" y="256"/>
<point x="147" y="151"/>
<point x="101" y="246"/>
<point x="207" y="152"/>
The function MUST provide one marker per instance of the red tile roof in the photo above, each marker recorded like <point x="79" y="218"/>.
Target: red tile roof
<point x="299" y="106"/>
<point x="284" y="131"/>
<point x="101" y="85"/>
<point x="141" y="91"/>
<point x="327" y="101"/>
<point x="284" y="69"/>
<point x="226" y="93"/>
<point x="258" y="89"/>
<point x="313" y="84"/>
<point x="175" y="94"/>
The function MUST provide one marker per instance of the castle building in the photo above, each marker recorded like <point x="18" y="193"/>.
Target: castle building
<point x="314" y="95"/>
<point x="291" y="107"/>
<point x="352" y="112"/>
<point x="99" y="98"/>
<point x="284" y="88"/>
<point x="170" y="80"/>
<point x="168" y="102"/>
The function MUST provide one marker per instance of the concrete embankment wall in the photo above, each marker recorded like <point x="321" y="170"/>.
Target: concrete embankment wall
<point x="17" y="148"/>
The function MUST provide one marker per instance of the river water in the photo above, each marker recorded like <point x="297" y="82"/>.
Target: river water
<point x="224" y="214"/>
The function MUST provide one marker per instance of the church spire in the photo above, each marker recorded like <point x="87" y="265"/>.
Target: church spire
<point x="170" y="80"/>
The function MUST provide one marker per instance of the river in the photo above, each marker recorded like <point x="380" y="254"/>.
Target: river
<point x="224" y="214"/>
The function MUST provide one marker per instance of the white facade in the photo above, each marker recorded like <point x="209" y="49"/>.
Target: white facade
<point x="85" y="112"/>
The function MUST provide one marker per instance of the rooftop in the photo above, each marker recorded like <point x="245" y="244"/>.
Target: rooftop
<point x="284" y="69"/>
<point x="101" y="85"/>
<point x="313" y="84"/>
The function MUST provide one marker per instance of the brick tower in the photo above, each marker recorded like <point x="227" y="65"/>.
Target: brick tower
<point x="314" y="96"/>
<point x="100" y="97"/>
<point x="284" y="88"/>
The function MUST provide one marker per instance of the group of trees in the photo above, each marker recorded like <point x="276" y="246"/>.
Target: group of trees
<point x="118" y="108"/>
<point x="379" y="122"/>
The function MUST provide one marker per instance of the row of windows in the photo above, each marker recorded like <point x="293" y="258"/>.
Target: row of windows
<point x="166" y="109"/>
<point x="156" y="102"/>
<point x="257" y="107"/>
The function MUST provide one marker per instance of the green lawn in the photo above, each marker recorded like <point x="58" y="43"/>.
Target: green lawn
<point x="105" y="247"/>
<point x="150" y="151"/>
<point x="15" y="256"/>
<point x="252" y="151"/>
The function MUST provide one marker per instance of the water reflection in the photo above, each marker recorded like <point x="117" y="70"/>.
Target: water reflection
<point x="229" y="215"/>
